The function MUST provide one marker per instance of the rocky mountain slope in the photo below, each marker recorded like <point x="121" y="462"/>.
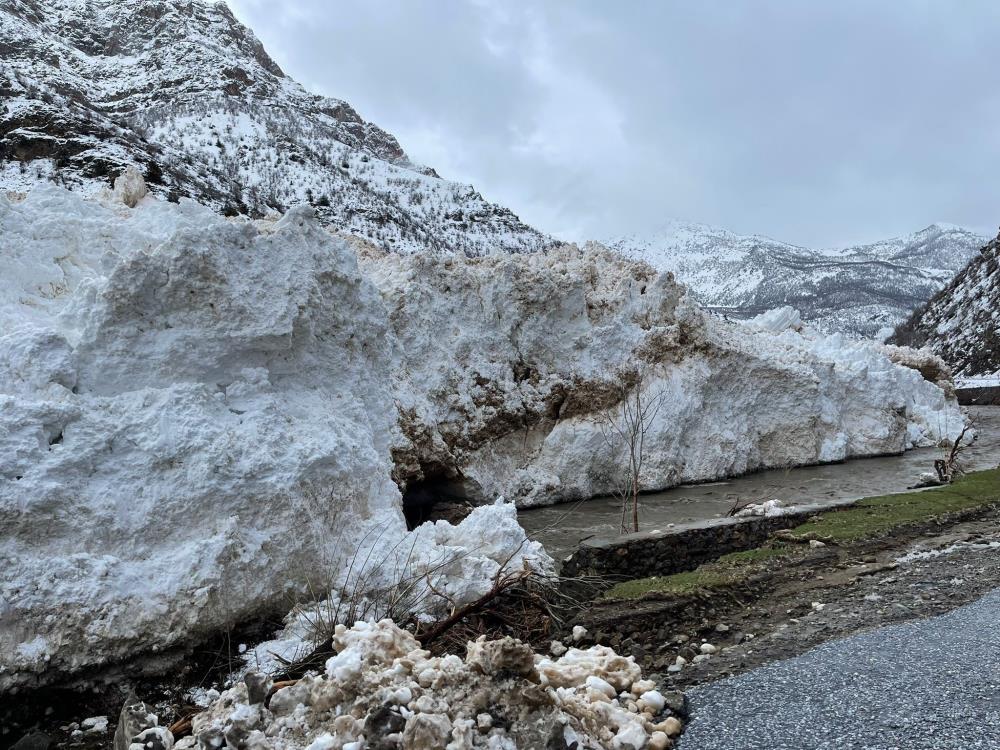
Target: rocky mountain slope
<point x="185" y="92"/>
<point x="202" y="419"/>
<point x="857" y="290"/>
<point x="961" y="323"/>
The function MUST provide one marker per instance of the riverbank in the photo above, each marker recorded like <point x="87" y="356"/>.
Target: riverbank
<point x="562" y="529"/>
<point x="798" y="591"/>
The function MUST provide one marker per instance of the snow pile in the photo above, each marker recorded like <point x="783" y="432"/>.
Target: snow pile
<point x="195" y="421"/>
<point x="426" y="571"/>
<point x="777" y="320"/>
<point x="382" y="690"/>
<point x="202" y="418"/>
<point x="766" y="509"/>
<point x="505" y="368"/>
<point x="930" y="366"/>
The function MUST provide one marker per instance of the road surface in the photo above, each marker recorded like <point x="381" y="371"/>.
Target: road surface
<point x="931" y="683"/>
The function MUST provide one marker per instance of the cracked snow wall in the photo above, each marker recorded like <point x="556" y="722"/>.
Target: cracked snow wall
<point x="238" y="403"/>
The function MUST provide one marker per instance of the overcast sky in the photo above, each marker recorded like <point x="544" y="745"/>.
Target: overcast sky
<point x="817" y="123"/>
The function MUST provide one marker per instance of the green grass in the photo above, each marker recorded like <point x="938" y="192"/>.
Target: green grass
<point x="726" y="571"/>
<point x="871" y="517"/>
<point x="753" y="556"/>
<point x="675" y="585"/>
<point x="876" y="516"/>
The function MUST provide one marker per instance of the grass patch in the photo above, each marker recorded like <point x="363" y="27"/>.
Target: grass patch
<point x="876" y="516"/>
<point x="677" y="584"/>
<point x="871" y="517"/>
<point x="726" y="571"/>
<point x="753" y="556"/>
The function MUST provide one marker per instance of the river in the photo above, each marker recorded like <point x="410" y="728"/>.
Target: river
<point x="562" y="527"/>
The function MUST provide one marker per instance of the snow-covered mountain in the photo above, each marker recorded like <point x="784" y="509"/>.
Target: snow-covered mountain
<point x="856" y="290"/>
<point x="185" y="92"/>
<point x="961" y="323"/>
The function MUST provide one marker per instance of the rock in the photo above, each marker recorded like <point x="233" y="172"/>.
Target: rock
<point x="676" y="701"/>
<point x="722" y="628"/>
<point x="381" y="723"/>
<point x="672" y="726"/>
<point x="674" y="668"/>
<point x="689" y="652"/>
<point x="427" y="732"/>
<point x="135" y="717"/>
<point x="707" y="648"/>
<point x="701" y="658"/>
<point x="258" y="686"/>
<point x="95" y="725"/>
<point x="816" y="543"/>
<point x="659" y="741"/>
<point x="155" y="738"/>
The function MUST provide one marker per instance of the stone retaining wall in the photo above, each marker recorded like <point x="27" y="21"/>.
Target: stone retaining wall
<point x="681" y="547"/>
<point x="985" y="396"/>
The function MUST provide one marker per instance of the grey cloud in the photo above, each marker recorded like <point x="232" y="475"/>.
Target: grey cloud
<point x="818" y="123"/>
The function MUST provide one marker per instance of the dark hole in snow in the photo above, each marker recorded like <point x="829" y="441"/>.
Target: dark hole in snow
<point x="56" y="439"/>
<point x="434" y="499"/>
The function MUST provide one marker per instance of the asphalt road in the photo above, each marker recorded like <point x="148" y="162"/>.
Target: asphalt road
<point x="931" y="683"/>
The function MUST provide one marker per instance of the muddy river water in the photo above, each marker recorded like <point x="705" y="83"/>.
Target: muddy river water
<point x="562" y="527"/>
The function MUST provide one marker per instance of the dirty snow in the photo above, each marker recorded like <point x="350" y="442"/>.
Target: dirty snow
<point x="201" y="418"/>
<point x="382" y="690"/>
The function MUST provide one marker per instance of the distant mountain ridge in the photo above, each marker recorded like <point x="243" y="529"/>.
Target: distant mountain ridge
<point x="961" y="323"/>
<point x="188" y="94"/>
<point x="858" y="290"/>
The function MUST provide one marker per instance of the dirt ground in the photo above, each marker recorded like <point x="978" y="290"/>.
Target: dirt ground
<point x="831" y="593"/>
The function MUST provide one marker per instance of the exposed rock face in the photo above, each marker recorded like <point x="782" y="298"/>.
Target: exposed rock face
<point x="200" y="416"/>
<point x="962" y="322"/>
<point x="857" y="290"/>
<point x="186" y="93"/>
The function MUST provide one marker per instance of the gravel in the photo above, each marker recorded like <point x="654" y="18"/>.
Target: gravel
<point x="931" y="683"/>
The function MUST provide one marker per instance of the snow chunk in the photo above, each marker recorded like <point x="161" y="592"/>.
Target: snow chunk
<point x="130" y="187"/>
<point x="777" y="320"/>
<point x="381" y="684"/>
<point x="767" y="509"/>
